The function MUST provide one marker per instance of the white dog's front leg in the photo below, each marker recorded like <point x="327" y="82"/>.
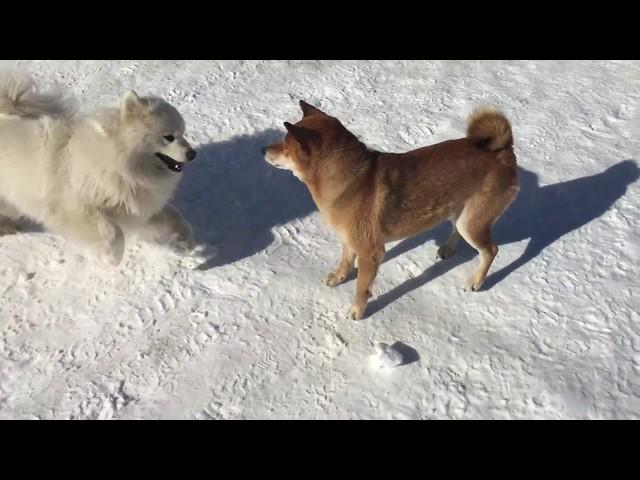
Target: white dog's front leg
<point x="8" y="218"/>
<point x="169" y="226"/>
<point x="94" y="229"/>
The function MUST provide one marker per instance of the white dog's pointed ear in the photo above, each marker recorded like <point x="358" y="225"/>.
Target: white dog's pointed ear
<point x="99" y="127"/>
<point x="131" y="104"/>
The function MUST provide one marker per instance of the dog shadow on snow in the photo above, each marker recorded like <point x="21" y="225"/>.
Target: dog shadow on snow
<point x="540" y="214"/>
<point x="233" y="198"/>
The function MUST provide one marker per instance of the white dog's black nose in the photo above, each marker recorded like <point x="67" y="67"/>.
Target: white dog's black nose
<point x="263" y="150"/>
<point x="191" y="154"/>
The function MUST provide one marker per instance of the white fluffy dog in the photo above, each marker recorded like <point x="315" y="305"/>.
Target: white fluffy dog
<point x="91" y="177"/>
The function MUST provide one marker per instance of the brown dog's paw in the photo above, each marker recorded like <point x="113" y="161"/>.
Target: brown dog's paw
<point x="473" y="285"/>
<point x="445" y="251"/>
<point x="356" y="312"/>
<point x="332" y="279"/>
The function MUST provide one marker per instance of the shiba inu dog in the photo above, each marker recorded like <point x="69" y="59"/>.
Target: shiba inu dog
<point x="370" y="198"/>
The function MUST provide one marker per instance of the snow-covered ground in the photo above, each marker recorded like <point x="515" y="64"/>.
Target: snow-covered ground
<point x="249" y="331"/>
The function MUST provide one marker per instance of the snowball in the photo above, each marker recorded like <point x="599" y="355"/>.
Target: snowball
<point x="386" y="356"/>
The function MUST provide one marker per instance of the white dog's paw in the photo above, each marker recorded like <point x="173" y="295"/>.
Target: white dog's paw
<point x="9" y="227"/>
<point x="203" y="251"/>
<point x="199" y="255"/>
<point x="111" y="256"/>
<point x="184" y="243"/>
<point x="112" y="252"/>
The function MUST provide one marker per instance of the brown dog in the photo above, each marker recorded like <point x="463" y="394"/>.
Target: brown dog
<point x="371" y="198"/>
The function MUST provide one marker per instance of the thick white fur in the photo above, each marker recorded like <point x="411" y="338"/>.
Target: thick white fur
<point x="89" y="177"/>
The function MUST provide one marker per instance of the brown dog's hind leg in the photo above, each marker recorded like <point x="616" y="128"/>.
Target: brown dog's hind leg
<point x="449" y="247"/>
<point x="475" y="223"/>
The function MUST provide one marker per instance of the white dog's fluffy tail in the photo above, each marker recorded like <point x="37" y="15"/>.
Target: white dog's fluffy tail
<point x="19" y="95"/>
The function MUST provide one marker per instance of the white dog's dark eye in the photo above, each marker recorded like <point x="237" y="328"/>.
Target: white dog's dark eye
<point x="169" y="138"/>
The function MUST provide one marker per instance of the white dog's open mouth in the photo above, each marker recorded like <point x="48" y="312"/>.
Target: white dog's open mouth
<point x="170" y="162"/>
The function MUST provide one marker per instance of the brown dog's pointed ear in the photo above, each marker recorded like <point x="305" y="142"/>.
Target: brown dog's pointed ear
<point x="300" y="134"/>
<point x="308" y="110"/>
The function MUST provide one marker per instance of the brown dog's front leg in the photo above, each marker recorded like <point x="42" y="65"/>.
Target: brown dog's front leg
<point x="367" y="269"/>
<point x="344" y="269"/>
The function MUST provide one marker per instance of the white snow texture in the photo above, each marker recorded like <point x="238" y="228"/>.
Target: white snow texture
<point x="252" y="332"/>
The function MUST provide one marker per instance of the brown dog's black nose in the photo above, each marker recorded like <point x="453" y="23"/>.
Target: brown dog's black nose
<point x="263" y="150"/>
<point x="191" y="154"/>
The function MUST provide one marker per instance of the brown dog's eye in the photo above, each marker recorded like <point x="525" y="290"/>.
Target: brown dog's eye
<point x="169" y="138"/>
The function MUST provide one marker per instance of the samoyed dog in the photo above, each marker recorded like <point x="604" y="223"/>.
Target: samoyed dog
<point x="94" y="178"/>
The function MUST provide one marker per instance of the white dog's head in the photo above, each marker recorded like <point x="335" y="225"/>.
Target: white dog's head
<point x="154" y="131"/>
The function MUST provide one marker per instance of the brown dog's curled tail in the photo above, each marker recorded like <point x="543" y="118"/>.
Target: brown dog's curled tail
<point x="490" y="129"/>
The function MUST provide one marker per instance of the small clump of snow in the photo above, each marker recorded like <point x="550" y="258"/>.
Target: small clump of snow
<point x="386" y="356"/>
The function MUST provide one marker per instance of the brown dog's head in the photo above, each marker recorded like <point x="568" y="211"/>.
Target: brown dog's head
<point x="307" y="142"/>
